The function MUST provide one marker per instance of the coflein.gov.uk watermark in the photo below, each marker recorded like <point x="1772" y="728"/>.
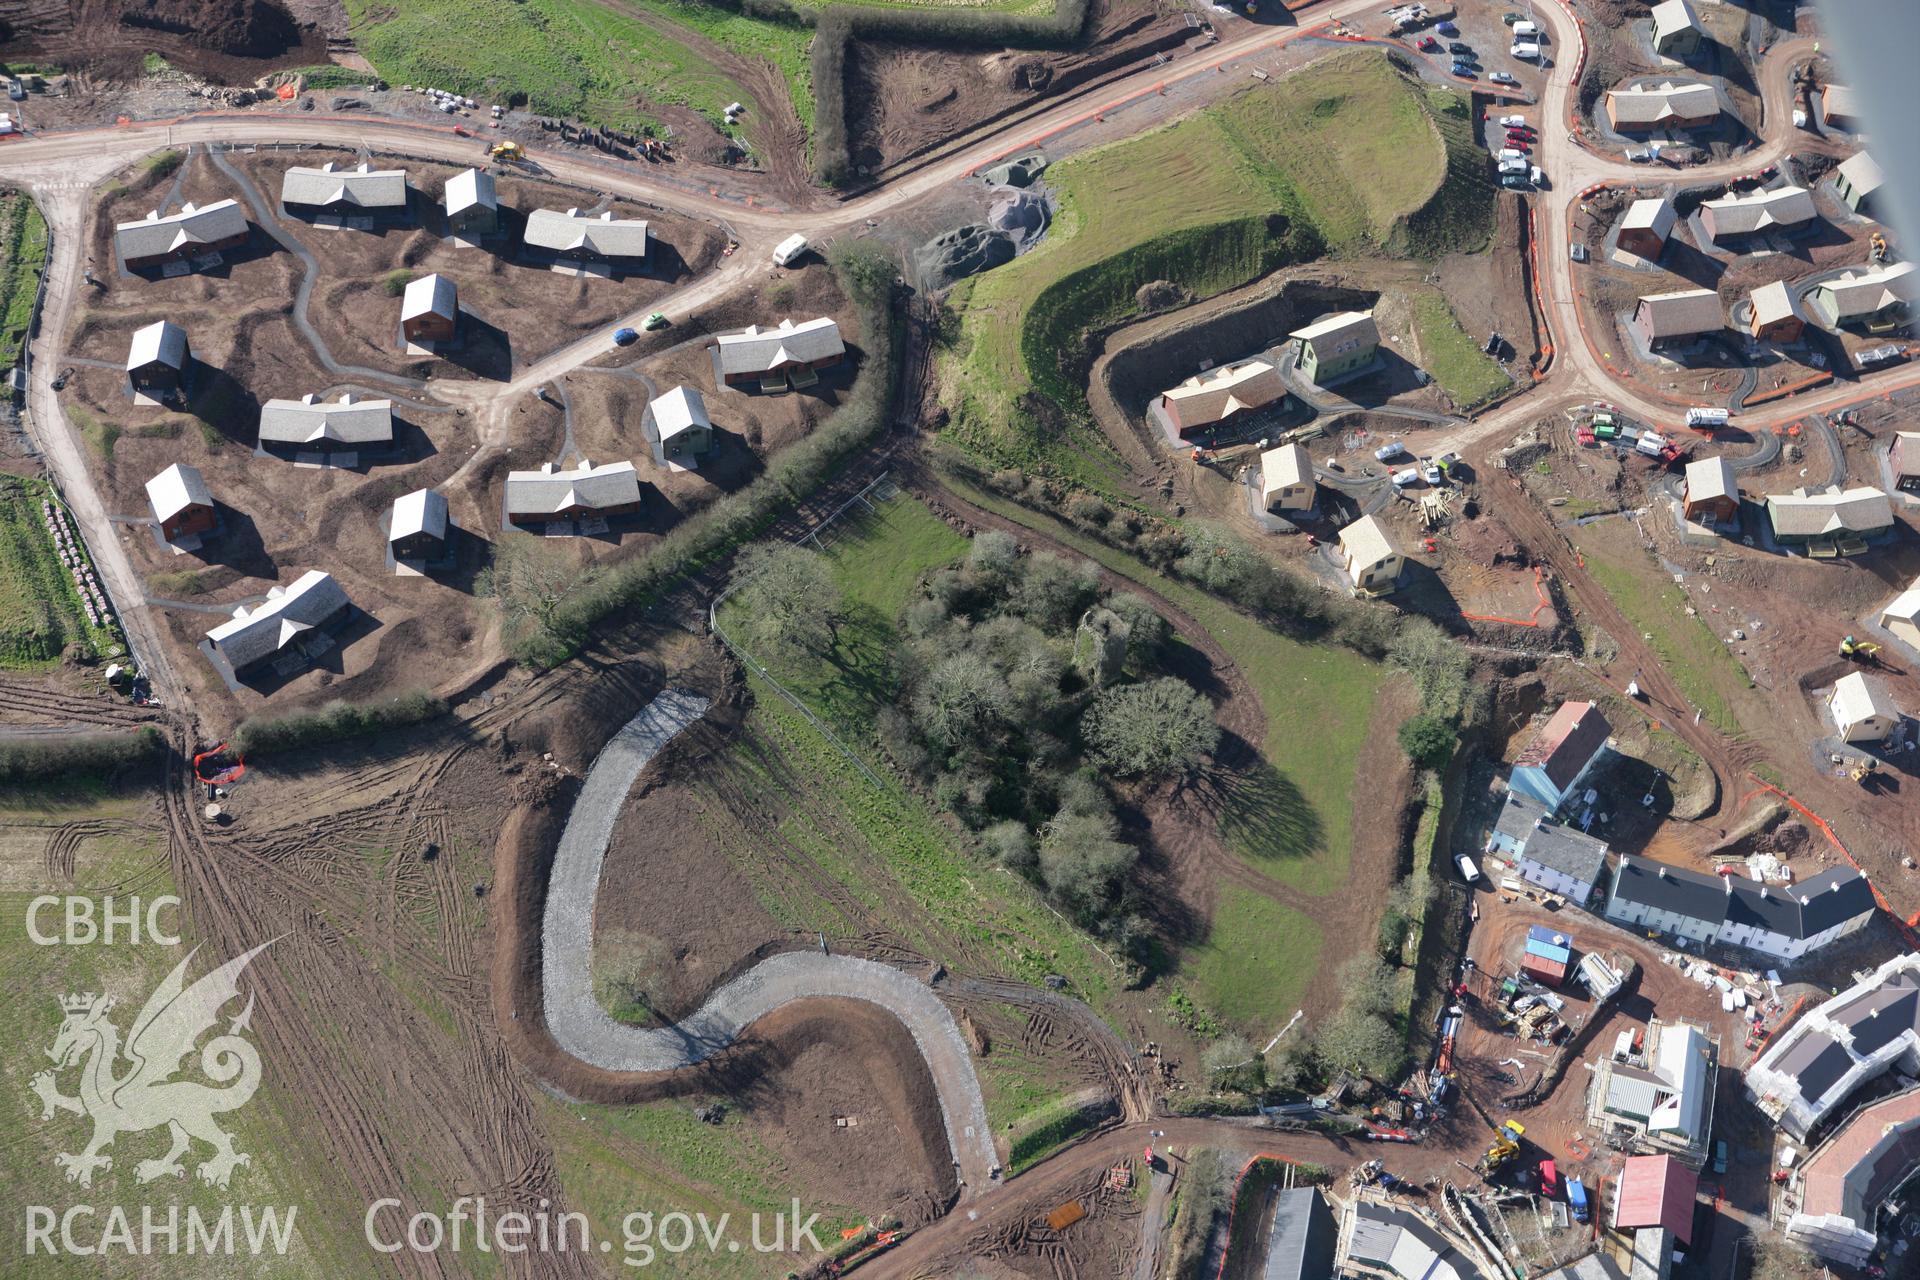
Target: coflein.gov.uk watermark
<point x="470" y="1225"/>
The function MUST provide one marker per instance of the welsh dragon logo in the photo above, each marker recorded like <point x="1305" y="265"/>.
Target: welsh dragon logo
<point x="131" y="1088"/>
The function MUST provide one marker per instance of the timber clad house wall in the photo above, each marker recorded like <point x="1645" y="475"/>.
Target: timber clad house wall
<point x="181" y="502"/>
<point x="157" y="357"/>
<point x="154" y="241"/>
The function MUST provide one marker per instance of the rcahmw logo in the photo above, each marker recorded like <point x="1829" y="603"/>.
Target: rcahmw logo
<point x="129" y="1087"/>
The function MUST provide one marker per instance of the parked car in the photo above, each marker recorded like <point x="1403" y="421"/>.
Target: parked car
<point x="656" y="321"/>
<point x="1468" y="871"/>
<point x="1577" y="251"/>
<point x="1429" y="45"/>
<point x="1511" y="18"/>
<point x="1462" y="70"/>
<point x="1459" y="46"/>
<point x="1511" y="153"/>
<point x="1431" y="473"/>
<point x="1515" y="122"/>
<point x="1513" y="181"/>
<point x="1447" y="29"/>
<point x="1388" y="452"/>
<point x="1502" y="77"/>
<point x="1402" y="479"/>
<point x="625" y="337"/>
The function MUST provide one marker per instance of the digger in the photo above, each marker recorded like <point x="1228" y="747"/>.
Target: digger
<point x="507" y="149"/>
<point x="1506" y="1145"/>
<point x="1860" y="650"/>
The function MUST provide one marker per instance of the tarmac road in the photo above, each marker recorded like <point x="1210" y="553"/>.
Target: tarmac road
<point x="584" y="1029"/>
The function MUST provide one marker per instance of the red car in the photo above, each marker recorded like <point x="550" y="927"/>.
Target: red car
<point x="1519" y="140"/>
<point x="1429" y="45"/>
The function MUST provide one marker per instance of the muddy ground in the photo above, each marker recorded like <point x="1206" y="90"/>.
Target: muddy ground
<point x="233" y="40"/>
<point x="904" y="100"/>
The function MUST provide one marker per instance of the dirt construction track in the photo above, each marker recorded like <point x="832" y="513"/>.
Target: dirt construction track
<point x="585" y="1030"/>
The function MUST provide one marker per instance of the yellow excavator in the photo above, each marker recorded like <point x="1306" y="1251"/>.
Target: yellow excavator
<point x="507" y="149"/>
<point x="1859" y="650"/>
<point x="1506" y="1145"/>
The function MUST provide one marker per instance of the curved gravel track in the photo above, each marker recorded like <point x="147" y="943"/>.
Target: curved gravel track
<point x="582" y="1028"/>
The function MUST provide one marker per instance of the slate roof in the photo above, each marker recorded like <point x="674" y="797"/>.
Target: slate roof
<point x="1809" y="1068"/>
<point x="468" y="188"/>
<point x="1812" y="513"/>
<point x="1218" y="393"/>
<point x="1663" y="102"/>
<point x="177" y="488"/>
<point x="288" y="613"/>
<point x="757" y="350"/>
<point x="162" y="341"/>
<point x="604" y="236"/>
<point x="551" y="490"/>
<point x="422" y="511"/>
<point x="1406" y="1244"/>
<point x="1656" y="1191"/>
<point x="1862" y="293"/>
<point x="1796" y="911"/>
<point x="1302" y="1243"/>
<point x="1560" y="848"/>
<point x="675" y="411"/>
<point x="432" y="295"/>
<point x="311" y="420"/>
<point x="1654" y="884"/>
<point x="362" y="186"/>
<point x="1759" y="211"/>
<point x="1568" y="740"/>
<point x="1685" y="311"/>
<point x="154" y="235"/>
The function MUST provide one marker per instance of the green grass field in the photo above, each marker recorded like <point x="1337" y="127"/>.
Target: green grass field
<point x="575" y="58"/>
<point x="40" y="610"/>
<point x="1465" y="372"/>
<point x="1346" y="157"/>
<point x="283" y="1170"/>
<point x="1706" y="671"/>
<point x="1258" y="959"/>
<point x="24" y="233"/>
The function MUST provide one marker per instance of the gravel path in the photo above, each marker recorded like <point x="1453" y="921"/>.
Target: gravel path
<point x="582" y="1028"/>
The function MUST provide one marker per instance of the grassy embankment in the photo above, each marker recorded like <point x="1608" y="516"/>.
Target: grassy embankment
<point x="287" y="1168"/>
<point x="1348" y="157"/>
<point x="24" y="233"/>
<point x="1699" y="662"/>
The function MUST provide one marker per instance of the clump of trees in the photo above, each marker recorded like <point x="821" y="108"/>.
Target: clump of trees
<point x="789" y="603"/>
<point x="1019" y="738"/>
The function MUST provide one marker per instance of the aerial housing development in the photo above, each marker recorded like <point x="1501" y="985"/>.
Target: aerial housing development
<point x="948" y="639"/>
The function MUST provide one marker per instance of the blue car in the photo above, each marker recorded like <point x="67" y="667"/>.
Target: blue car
<point x="1462" y="70"/>
<point x="625" y="337"/>
<point x="1447" y="29"/>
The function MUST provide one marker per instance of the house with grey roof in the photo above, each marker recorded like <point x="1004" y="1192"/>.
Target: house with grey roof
<point x="1668" y="318"/>
<point x="1816" y="1063"/>
<point x="344" y="191"/>
<point x="430" y="310"/>
<point x="1829" y="521"/>
<point x="1665" y="104"/>
<point x="1304" y="1237"/>
<point x="1560" y="859"/>
<point x="473" y="208"/>
<point x="1646" y="226"/>
<point x="181" y="502"/>
<point x="193" y="232"/>
<point x="677" y="427"/>
<point x="313" y="425"/>
<point x="417" y="526"/>
<point x="291" y="618"/>
<point x="1664" y="1104"/>
<point x="1856" y="182"/>
<point x="1784" y="922"/>
<point x="1877" y="298"/>
<point x="554" y="494"/>
<point x="1401" y="1243"/>
<point x="772" y="357"/>
<point x="1676" y="31"/>
<point x="1736" y="218"/>
<point x="607" y="241"/>
<point x="157" y="357"/>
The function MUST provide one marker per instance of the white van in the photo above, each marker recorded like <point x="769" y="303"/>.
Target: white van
<point x="1525" y="50"/>
<point x="1510" y="153"/>
<point x="1528" y="31"/>
<point x="1468" y="871"/>
<point x="789" y="249"/>
<point x="1401" y="479"/>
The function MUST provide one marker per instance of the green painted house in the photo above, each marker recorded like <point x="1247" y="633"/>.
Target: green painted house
<point x="1335" y="346"/>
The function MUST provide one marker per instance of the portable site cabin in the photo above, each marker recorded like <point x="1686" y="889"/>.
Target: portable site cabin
<point x="1548" y="956"/>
